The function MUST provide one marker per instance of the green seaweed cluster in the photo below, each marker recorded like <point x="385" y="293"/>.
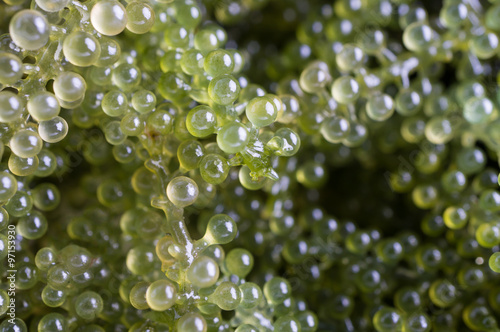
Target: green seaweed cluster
<point x="249" y="165"/>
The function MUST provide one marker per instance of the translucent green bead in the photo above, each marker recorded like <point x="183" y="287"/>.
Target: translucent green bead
<point x="358" y="242"/>
<point x="20" y="204"/>
<point x="81" y="49"/>
<point x="453" y="15"/>
<point x="132" y="124"/>
<point x="52" y="5"/>
<point x="389" y="251"/>
<point x="113" y="133"/>
<point x="114" y="103"/>
<point x="490" y="200"/>
<point x="53" y="322"/>
<point x="203" y="272"/>
<point x="140" y="259"/>
<point x="417" y="322"/>
<point x="143" y="181"/>
<point x="477" y="316"/>
<point x="246" y="328"/>
<point x="69" y="86"/>
<point x="188" y="14"/>
<point x="173" y="87"/>
<point x="46" y="196"/>
<point x="239" y="262"/>
<point x="373" y="40"/>
<point x="11" y="106"/>
<point x="488" y="235"/>
<point x="368" y="280"/>
<point x="418" y="36"/>
<point x="469" y="89"/>
<point x="471" y="277"/>
<point x="126" y="76"/>
<point x="108" y="17"/>
<point x="14" y="325"/>
<point x="290" y="110"/>
<point x="32" y="226"/>
<point x="345" y="90"/>
<point x="190" y="153"/>
<point x="408" y="299"/>
<point x="206" y="40"/>
<point x="23" y="166"/>
<point x="485" y="45"/>
<point x="27" y="276"/>
<point x="315" y="77"/>
<point x="161" y="295"/>
<point x="110" y="53"/>
<point x="247" y="181"/>
<point x="277" y="290"/>
<point x="413" y="129"/>
<point x="11" y="68"/>
<point x="88" y="305"/>
<point x="350" y="58"/>
<point x="312" y="175"/>
<point x="162" y="249"/>
<point x="308" y="321"/>
<point x="52" y="297"/>
<point x="143" y="101"/>
<point x="140" y="17"/>
<point x="170" y="62"/>
<point x="233" y="137"/>
<point x="251" y="295"/>
<point x="455" y="217"/>
<point x="218" y="62"/>
<point x="387" y="319"/>
<point x="76" y="259"/>
<point x="491" y="15"/>
<point x="335" y="129"/>
<point x="45" y="258"/>
<point x="161" y="122"/>
<point x="453" y="181"/>
<point x="29" y="29"/>
<point x="380" y="107"/>
<point x="192" y="62"/>
<point x="176" y="36"/>
<point x="201" y="121"/>
<point x="221" y="229"/>
<point x="439" y="130"/>
<point x="8" y="186"/>
<point x="494" y="262"/>
<point x="261" y="111"/>
<point x="425" y="196"/>
<point x="227" y="296"/>
<point x="239" y="60"/>
<point x="137" y="295"/>
<point x="43" y="106"/>
<point x="429" y="257"/>
<point x="224" y="89"/>
<point x="182" y="191"/>
<point x="478" y="110"/>
<point x="26" y="143"/>
<point x="442" y="293"/>
<point x="214" y="168"/>
<point x="58" y="277"/>
<point x="471" y="160"/>
<point x="192" y="322"/>
<point x="4" y="218"/>
<point x="287" y="324"/>
<point x="53" y="130"/>
<point x="4" y="302"/>
<point x="408" y="102"/>
<point x="4" y="246"/>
